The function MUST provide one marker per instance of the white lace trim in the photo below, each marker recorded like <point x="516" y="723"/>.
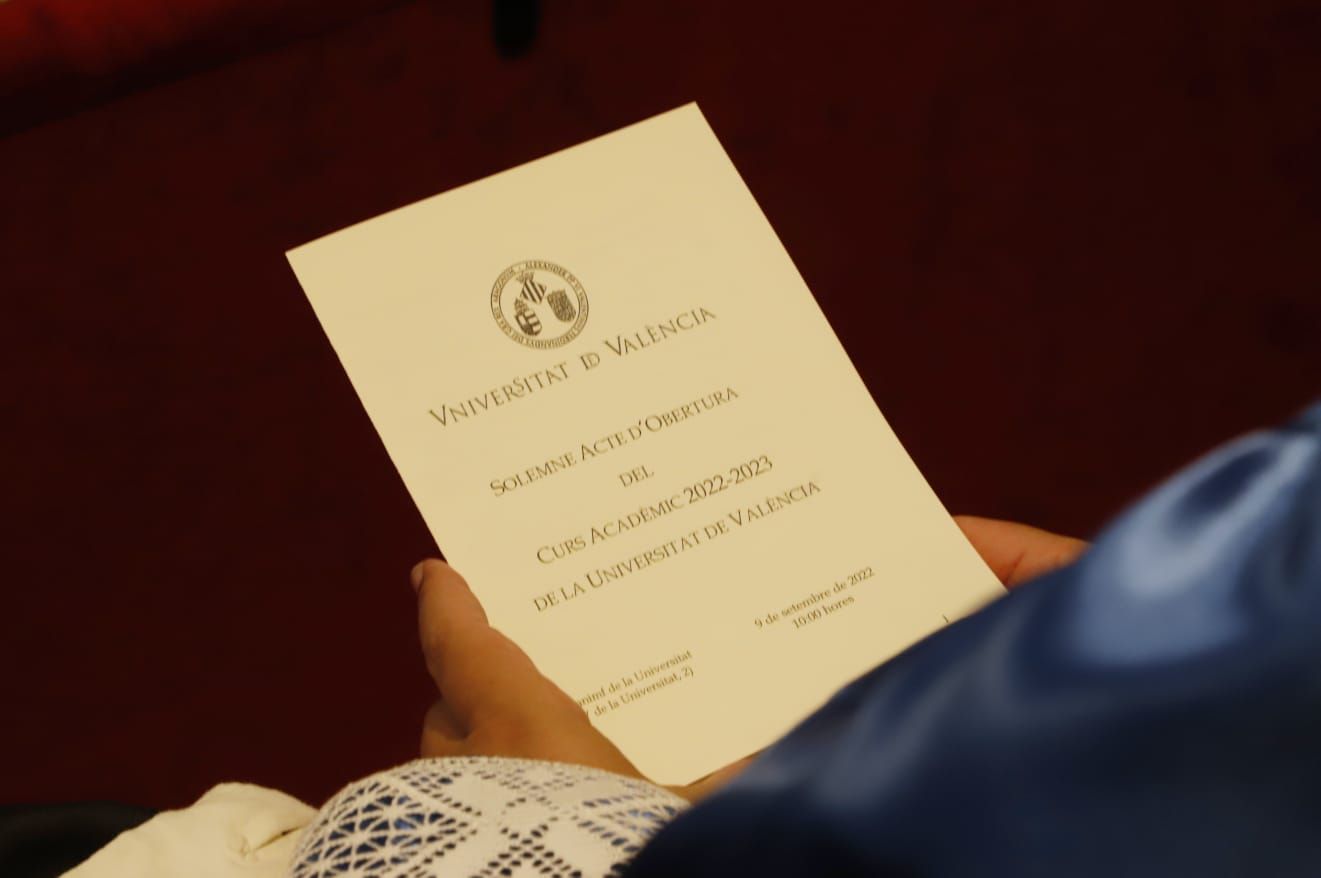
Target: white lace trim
<point x="484" y="816"/>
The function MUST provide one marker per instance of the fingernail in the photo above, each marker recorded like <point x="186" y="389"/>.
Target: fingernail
<point x="418" y="574"/>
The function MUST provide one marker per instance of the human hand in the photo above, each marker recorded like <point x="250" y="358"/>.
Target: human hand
<point x="493" y="700"/>
<point x="1016" y="552"/>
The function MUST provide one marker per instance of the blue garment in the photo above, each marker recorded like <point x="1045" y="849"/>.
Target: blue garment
<point x="1153" y="709"/>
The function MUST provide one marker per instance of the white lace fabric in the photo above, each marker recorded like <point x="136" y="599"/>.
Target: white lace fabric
<point x="483" y="816"/>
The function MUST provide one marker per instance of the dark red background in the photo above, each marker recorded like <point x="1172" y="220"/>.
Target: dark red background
<point x="1068" y="246"/>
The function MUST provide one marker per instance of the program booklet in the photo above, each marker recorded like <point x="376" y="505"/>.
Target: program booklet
<point x="627" y="423"/>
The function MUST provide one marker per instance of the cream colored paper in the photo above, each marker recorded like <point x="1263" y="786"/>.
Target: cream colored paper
<point x="781" y="541"/>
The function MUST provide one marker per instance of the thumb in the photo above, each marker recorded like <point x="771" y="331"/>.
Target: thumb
<point x="478" y="670"/>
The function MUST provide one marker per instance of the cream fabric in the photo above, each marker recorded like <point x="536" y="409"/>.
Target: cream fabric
<point x="484" y="816"/>
<point x="234" y="831"/>
<point x="431" y="817"/>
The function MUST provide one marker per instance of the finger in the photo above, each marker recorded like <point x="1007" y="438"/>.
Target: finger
<point x="442" y="733"/>
<point x="700" y="789"/>
<point x="480" y="673"/>
<point x="1017" y="552"/>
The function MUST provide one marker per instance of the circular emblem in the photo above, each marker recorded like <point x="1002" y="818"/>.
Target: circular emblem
<point x="539" y="304"/>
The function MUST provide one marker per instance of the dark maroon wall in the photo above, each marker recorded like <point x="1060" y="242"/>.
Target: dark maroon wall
<point x="1068" y="246"/>
<point x="58" y="56"/>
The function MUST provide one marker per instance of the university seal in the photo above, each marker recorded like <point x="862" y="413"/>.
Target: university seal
<point x="539" y="304"/>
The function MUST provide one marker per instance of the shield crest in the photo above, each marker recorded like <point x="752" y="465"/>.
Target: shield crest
<point x="526" y="318"/>
<point x="562" y="306"/>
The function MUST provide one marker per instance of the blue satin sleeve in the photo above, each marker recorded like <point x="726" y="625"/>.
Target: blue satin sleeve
<point x="1153" y="709"/>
